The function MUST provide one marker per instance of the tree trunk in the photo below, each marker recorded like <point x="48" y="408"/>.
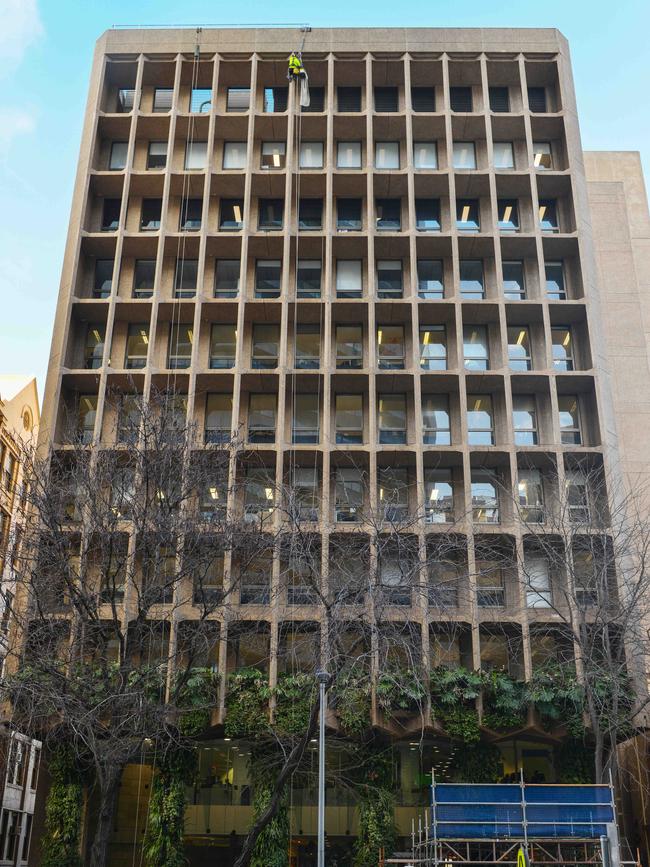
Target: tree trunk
<point x="109" y="785"/>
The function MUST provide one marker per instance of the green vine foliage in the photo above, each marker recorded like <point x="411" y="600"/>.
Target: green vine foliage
<point x="574" y="762"/>
<point x="163" y="844"/>
<point x="376" y="808"/>
<point x="478" y="763"/>
<point x="63" y="812"/>
<point x="195" y="699"/>
<point x="294" y="695"/>
<point x="453" y="696"/>
<point x="400" y="689"/>
<point x="505" y="702"/>
<point x="247" y="704"/>
<point x="558" y="697"/>
<point x="351" y="696"/>
<point x="272" y="847"/>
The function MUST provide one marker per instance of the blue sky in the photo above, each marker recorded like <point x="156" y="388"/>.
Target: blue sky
<point x="46" y="51"/>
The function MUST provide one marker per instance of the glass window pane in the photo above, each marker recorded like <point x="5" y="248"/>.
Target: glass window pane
<point x="548" y="220"/>
<point x="530" y="496"/>
<point x="311" y="155"/>
<point x="555" y="288"/>
<point x="150" y="214"/>
<point x="265" y="346"/>
<point x="514" y="287"/>
<point x="310" y="214"/>
<point x="519" y="355"/>
<point x="238" y="99"/>
<point x="309" y="278"/>
<point x="349" y="278"/>
<point x="425" y="155"/>
<point x="538" y="582"/>
<point x="480" y="420"/>
<point x="503" y="155"/>
<point x="201" y="100"/>
<point x="562" y="341"/>
<point x="234" y="155"/>
<point x="508" y="215"/>
<point x="348" y="155"/>
<point x="438" y="496"/>
<point x="103" y="278"/>
<point x="157" y="155"/>
<point x="181" y="338"/>
<point x="430" y="278"/>
<point x="348" y="214"/>
<point x="306" y="419"/>
<point x="475" y="347"/>
<point x="427" y="215"/>
<point x="93" y="355"/>
<point x="137" y="346"/>
<point x="386" y="155"/>
<point x="391" y="418"/>
<point x="223" y="344"/>
<point x="485" y="499"/>
<point x="468" y="215"/>
<point x="542" y="155"/>
<point x="433" y="347"/>
<point x="196" y="155"/>
<point x="261" y="418"/>
<point x="471" y="279"/>
<point x="307" y="350"/>
<point x="117" y="158"/>
<point x="226" y="278"/>
<point x="273" y="154"/>
<point x="524" y="419"/>
<point x="436" y="420"/>
<point x="388" y="214"/>
<point x="569" y="419"/>
<point x="464" y="155"/>
<point x="349" y="347"/>
<point x="271" y="213"/>
<point x="390" y="347"/>
<point x="218" y="417"/>
<point x="268" y="276"/>
<point x="389" y="278"/>
<point x="143" y="278"/>
<point x="163" y="98"/>
<point x="349" y="418"/>
<point x="185" y="278"/>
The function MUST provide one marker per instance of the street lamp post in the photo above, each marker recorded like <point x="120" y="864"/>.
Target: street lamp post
<point x="323" y="681"/>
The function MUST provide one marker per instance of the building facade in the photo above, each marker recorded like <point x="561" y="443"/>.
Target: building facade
<point x="392" y="296"/>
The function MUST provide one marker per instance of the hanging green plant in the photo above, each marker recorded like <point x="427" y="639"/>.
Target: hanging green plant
<point x="195" y="699"/>
<point x="505" y="702"/>
<point x="574" y="761"/>
<point x="478" y="763"/>
<point x="558" y="697"/>
<point x="294" y="695"/>
<point x="247" y="703"/>
<point x="400" y="689"/>
<point x="272" y="847"/>
<point x="351" y="696"/>
<point x="63" y="811"/>
<point x="376" y="808"/>
<point x="453" y="698"/>
<point x="163" y="843"/>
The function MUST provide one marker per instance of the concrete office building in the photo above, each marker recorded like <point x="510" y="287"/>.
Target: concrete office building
<point x="416" y="271"/>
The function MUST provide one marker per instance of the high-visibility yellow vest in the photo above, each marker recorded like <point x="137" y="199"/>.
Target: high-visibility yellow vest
<point x="294" y="63"/>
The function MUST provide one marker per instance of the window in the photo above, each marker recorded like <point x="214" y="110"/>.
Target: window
<point x="570" y="433"/>
<point x="433" y="347"/>
<point x="191" y="213"/>
<point x="460" y="98"/>
<point x="348" y="215"/>
<point x="386" y="155"/>
<point x="389" y="278"/>
<point x="348" y="98"/>
<point x="425" y="155"/>
<point x="542" y="155"/>
<point x="349" y="281"/>
<point x="427" y="215"/>
<point x="118" y="155"/>
<point x="200" y="100"/>
<point x="273" y="154"/>
<point x="268" y="278"/>
<point x="137" y="346"/>
<point x="311" y="155"/>
<point x="196" y="155"/>
<point x="389" y="214"/>
<point x="499" y="99"/>
<point x="436" y="421"/>
<point x="111" y="215"/>
<point x="163" y="98"/>
<point x="503" y="155"/>
<point x="103" y="278"/>
<point x="524" y="419"/>
<point x="480" y="420"/>
<point x="275" y="99"/>
<point x="464" y="155"/>
<point x="548" y="221"/>
<point x="265" y="347"/>
<point x="259" y="492"/>
<point x="467" y="215"/>
<point x="316" y="100"/>
<point x="391" y="418"/>
<point x="310" y="214"/>
<point x="386" y="99"/>
<point x="226" y="278"/>
<point x="562" y="342"/>
<point x="223" y="346"/>
<point x="307" y="347"/>
<point x="471" y="279"/>
<point x="128" y="428"/>
<point x="185" y="278"/>
<point x="231" y="217"/>
<point x="348" y="419"/>
<point x="423" y="99"/>
<point x="348" y="155"/>
<point x="485" y="497"/>
<point x="157" y="155"/>
<point x="349" y="347"/>
<point x="234" y="155"/>
<point x="94" y="348"/>
<point x="262" y="410"/>
<point x="555" y="288"/>
<point x="348" y="494"/>
<point x="179" y="354"/>
<point x="271" y="213"/>
<point x="476" y="351"/>
<point x="508" y="215"/>
<point x="514" y="286"/>
<point x="218" y="418"/>
<point x="305" y="492"/>
<point x="519" y="355"/>
<point x="150" y="215"/>
<point x="390" y="347"/>
<point x="490" y="589"/>
<point x="125" y="99"/>
<point x="395" y="579"/>
<point x="577" y="497"/>
<point x="537" y="99"/>
<point x="438" y="496"/>
<point x="430" y="278"/>
<point x="585" y="578"/>
<point x="530" y="496"/>
<point x="86" y="414"/>
<point x="305" y="428"/>
<point x="238" y="99"/>
<point x="393" y="492"/>
<point x="308" y="278"/>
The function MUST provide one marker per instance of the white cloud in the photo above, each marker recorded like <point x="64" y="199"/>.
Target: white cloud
<point x="21" y="27"/>
<point x="14" y="122"/>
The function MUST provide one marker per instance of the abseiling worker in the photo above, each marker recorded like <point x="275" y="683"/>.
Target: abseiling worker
<point x="296" y="69"/>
